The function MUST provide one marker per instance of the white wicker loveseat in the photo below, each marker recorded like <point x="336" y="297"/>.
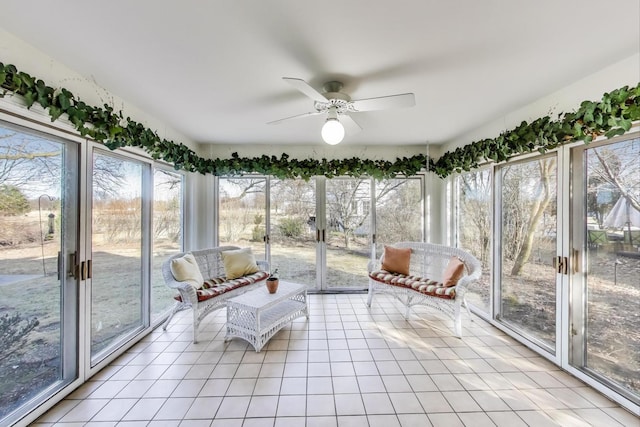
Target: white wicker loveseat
<point x="215" y="288"/>
<point x="423" y="283"/>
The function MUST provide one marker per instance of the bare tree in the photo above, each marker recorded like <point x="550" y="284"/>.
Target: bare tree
<point x="527" y="193"/>
<point x="398" y="213"/>
<point x="108" y="177"/>
<point x="166" y="206"/>
<point x="243" y="187"/>
<point x="619" y="165"/>
<point x="294" y="197"/>
<point x="538" y="206"/>
<point x="25" y="159"/>
<point x="171" y="180"/>
<point x="241" y="201"/>
<point x="348" y="202"/>
<point x="475" y="213"/>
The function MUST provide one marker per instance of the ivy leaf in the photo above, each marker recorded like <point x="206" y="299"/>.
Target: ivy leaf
<point x="633" y="112"/>
<point x="625" y="124"/>
<point x="30" y="98"/>
<point x="44" y="93"/>
<point x="64" y="99"/>
<point x="26" y="80"/>
<point x="115" y="130"/>
<point x="588" y="113"/>
<point x="55" y="113"/>
<point x="614" y="132"/>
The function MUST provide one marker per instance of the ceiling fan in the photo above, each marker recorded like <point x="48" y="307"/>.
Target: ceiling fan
<point x="337" y="106"/>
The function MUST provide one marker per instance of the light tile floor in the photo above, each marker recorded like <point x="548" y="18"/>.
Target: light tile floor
<point x="344" y="366"/>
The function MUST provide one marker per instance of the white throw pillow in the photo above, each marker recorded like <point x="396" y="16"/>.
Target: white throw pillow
<point x="185" y="269"/>
<point x="238" y="263"/>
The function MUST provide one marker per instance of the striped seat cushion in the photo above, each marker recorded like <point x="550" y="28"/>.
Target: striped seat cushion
<point x="219" y="285"/>
<point x="420" y="284"/>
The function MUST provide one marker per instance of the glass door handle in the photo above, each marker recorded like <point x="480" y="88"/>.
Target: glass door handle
<point x="86" y="270"/>
<point x="74" y="268"/>
<point x="561" y="264"/>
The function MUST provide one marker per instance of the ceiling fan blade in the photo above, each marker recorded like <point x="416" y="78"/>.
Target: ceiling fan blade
<point x="350" y="125"/>
<point x="385" y="102"/>
<point x="305" y="88"/>
<point x="297" y="116"/>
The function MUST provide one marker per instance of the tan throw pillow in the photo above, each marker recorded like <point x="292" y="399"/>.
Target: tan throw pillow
<point x="396" y="260"/>
<point x="453" y="272"/>
<point x="238" y="263"/>
<point x="185" y="269"/>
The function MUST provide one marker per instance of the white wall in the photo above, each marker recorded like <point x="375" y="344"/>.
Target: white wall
<point x="36" y="63"/>
<point x="567" y="99"/>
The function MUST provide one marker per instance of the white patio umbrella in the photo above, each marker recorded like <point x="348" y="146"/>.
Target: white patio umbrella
<point x="622" y="215"/>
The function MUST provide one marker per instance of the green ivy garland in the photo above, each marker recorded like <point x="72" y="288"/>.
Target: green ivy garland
<point x="611" y="116"/>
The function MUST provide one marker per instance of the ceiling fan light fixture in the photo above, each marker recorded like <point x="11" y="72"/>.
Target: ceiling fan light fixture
<point x="336" y="103"/>
<point x="332" y="131"/>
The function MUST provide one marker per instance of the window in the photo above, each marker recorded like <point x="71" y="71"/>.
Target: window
<point x="167" y="235"/>
<point x="474" y="230"/>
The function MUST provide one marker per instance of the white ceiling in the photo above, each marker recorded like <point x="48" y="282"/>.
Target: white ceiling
<point x="212" y="69"/>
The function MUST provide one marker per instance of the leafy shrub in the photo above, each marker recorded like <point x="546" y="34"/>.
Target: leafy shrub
<point x="257" y="234"/>
<point x="13" y="333"/>
<point x="12" y="201"/>
<point x="291" y="227"/>
<point x="16" y="231"/>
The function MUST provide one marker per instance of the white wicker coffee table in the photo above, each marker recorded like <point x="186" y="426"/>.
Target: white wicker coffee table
<point x="257" y="315"/>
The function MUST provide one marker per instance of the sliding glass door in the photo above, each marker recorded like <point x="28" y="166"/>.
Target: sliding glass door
<point x="566" y="257"/>
<point x="319" y="232"/>
<point x="346" y="243"/>
<point x="294" y="231"/>
<point x="38" y="293"/>
<point x="527" y="223"/>
<point x="606" y="301"/>
<point x="473" y="209"/>
<point x="242" y="213"/>
<point x="399" y="211"/>
<point x="80" y="257"/>
<point x="118" y="267"/>
<point x="167" y="236"/>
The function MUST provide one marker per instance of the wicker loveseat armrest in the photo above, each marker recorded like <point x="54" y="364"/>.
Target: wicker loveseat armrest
<point x="474" y="271"/>
<point x="174" y="284"/>
<point x="188" y="292"/>
<point x="186" y="289"/>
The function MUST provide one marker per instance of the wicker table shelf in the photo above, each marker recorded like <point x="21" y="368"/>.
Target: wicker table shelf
<point x="257" y="315"/>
